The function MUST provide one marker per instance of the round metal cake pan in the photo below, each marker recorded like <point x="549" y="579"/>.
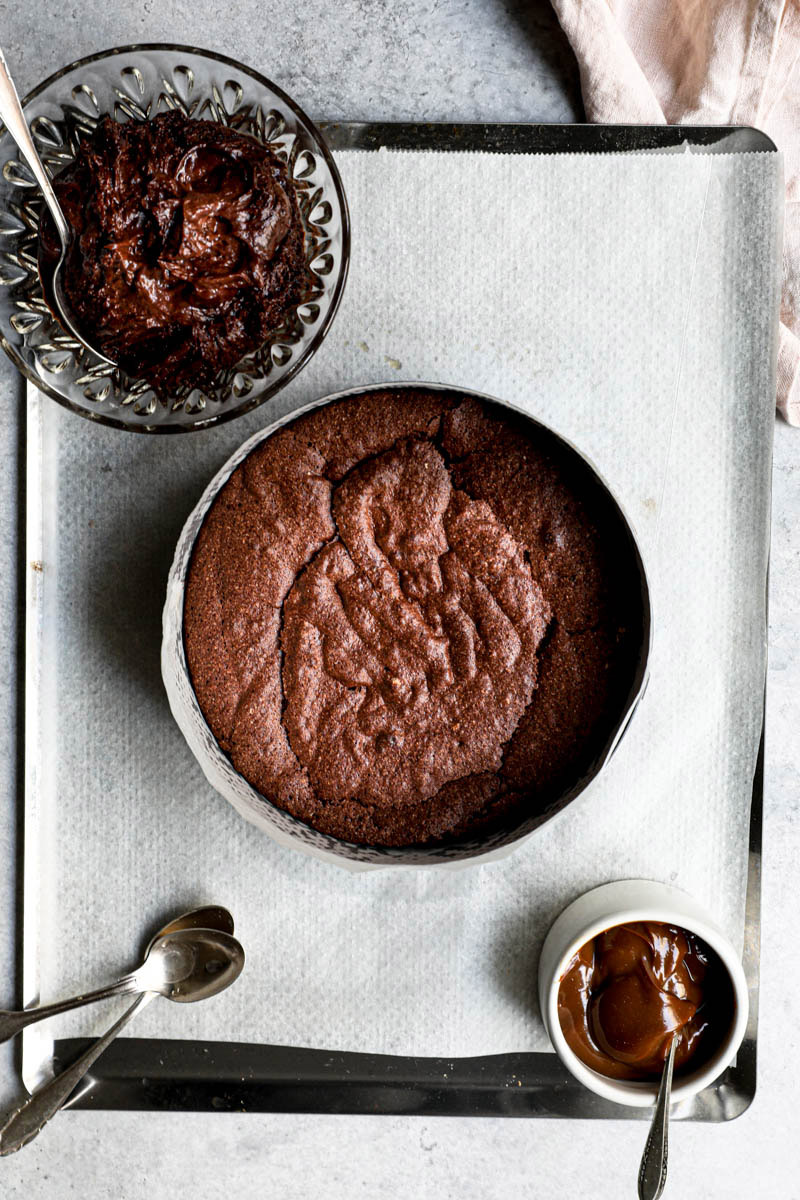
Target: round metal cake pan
<point x="281" y="825"/>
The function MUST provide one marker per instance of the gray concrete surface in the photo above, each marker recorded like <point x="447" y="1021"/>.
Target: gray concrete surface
<point x="455" y="59"/>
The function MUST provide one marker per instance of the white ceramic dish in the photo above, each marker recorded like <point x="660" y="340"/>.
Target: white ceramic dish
<point x="261" y="811"/>
<point x="614" y="904"/>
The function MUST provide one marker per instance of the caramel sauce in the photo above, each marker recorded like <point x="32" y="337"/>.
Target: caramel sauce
<point x="630" y="989"/>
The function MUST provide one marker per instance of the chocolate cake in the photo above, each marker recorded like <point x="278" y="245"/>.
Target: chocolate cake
<point x="188" y="248"/>
<point x="410" y="616"/>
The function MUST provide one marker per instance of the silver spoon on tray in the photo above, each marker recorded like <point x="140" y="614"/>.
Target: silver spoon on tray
<point x="153" y="970"/>
<point x="13" y="118"/>
<point x="183" y="963"/>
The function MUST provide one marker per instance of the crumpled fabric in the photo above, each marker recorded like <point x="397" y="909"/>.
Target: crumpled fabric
<point x="704" y="62"/>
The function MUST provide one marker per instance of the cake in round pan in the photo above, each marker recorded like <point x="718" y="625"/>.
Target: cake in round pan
<point x="411" y="616"/>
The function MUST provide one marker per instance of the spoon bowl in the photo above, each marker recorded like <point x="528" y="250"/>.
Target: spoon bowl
<point x="64" y="311"/>
<point x="210" y="916"/>
<point x="191" y="964"/>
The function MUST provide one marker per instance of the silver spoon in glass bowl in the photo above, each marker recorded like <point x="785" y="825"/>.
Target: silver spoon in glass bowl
<point x="183" y="963"/>
<point x="13" y="118"/>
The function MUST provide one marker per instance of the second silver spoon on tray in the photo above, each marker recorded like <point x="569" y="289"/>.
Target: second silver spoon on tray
<point x="202" y="962"/>
<point x="154" y="974"/>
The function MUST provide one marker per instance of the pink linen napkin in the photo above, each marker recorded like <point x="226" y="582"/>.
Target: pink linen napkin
<point x="704" y="62"/>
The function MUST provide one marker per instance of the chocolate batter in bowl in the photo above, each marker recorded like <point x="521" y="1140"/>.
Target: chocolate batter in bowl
<point x="188" y="251"/>
<point x="213" y="242"/>
<point x="407" y="624"/>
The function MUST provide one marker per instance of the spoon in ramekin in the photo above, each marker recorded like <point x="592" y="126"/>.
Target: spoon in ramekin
<point x="13" y="118"/>
<point x="653" y="1169"/>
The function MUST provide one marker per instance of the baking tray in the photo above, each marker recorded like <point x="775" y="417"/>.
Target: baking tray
<point x="153" y="1074"/>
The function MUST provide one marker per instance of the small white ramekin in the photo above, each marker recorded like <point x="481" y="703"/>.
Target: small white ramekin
<point x="616" y="904"/>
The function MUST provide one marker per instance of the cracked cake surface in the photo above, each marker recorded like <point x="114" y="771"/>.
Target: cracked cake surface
<point x="410" y="616"/>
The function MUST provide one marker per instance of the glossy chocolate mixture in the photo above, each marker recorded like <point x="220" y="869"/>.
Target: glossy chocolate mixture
<point x="410" y="615"/>
<point x="189" y="247"/>
<point x="626" y="992"/>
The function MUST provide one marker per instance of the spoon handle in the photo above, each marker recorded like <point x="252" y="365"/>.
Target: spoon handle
<point x="13" y="118"/>
<point x="12" y="1023"/>
<point x="26" y="1121"/>
<point x="653" y="1169"/>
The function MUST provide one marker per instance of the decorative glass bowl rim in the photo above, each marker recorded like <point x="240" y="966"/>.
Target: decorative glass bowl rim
<point x="216" y="418"/>
<point x="266" y="814"/>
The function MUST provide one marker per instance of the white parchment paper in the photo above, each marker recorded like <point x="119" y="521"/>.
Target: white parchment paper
<point x="629" y="301"/>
